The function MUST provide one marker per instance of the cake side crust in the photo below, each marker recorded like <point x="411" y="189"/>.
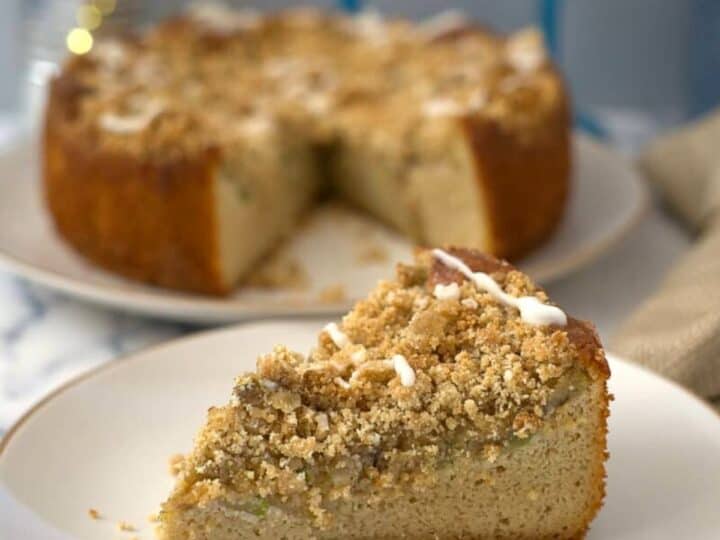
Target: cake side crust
<point x="149" y="220"/>
<point x="523" y="172"/>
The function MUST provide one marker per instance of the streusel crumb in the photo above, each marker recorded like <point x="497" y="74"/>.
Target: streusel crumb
<point x="124" y="526"/>
<point x="341" y="419"/>
<point x="371" y="253"/>
<point x="175" y="464"/>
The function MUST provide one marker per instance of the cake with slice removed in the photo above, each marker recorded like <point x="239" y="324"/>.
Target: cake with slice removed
<point x="455" y="401"/>
<point x="183" y="156"/>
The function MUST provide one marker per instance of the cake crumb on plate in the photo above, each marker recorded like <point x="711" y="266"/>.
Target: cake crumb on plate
<point x="124" y="526"/>
<point x="332" y="294"/>
<point x="371" y="253"/>
<point x="280" y="271"/>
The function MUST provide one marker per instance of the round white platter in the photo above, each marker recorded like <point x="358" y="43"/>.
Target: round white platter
<point x="331" y="248"/>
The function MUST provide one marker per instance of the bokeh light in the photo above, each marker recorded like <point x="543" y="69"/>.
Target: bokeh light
<point x="79" y="41"/>
<point x="88" y="17"/>
<point x="105" y="6"/>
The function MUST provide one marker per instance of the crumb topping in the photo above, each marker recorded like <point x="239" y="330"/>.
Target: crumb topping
<point x="176" y="84"/>
<point x="407" y="381"/>
<point x="175" y="464"/>
<point x="280" y="271"/>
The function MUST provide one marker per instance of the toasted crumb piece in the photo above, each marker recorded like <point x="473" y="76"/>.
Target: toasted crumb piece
<point x="94" y="514"/>
<point x="332" y="294"/>
<point x="371" y="253"/>
<point x="124" y="526"/>
<point x="154" y="517"/>
<point x="175" y="464"/>
<point x="280" y="272"/>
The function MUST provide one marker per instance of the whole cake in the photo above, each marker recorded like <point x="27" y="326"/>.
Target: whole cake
<point x="453" y="402"/>
<point x="181" y="156"/>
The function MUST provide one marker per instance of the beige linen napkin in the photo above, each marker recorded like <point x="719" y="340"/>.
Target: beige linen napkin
<point x="677" y="331"/>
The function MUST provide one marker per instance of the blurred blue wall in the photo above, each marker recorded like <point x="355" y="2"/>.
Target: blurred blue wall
<point x="658" y="56"/>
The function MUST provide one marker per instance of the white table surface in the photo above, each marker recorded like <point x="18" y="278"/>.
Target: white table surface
<point x="47" y="338"/>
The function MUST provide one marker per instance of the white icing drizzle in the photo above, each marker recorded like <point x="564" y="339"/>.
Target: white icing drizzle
<point x="443" y="23"/>
<point x="532" y="310"/>
<point x="404" y="370"/>
<point x="439" y="107"/>
<point x="342" y="383"/>
<point x="323" y="423"/>
<point x="447" y="292"/>
<point x="268" y="384"/>
<point x="525" y="50"/>
<point x="219" y="18"/>
<point x="337" y="336"/>
<point x="132" y="123"/>
<point x="358" y="356"/>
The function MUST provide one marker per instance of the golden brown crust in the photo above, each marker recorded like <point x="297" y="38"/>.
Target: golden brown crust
<point x="525" y="183"/>
<point x="147" y="220"/>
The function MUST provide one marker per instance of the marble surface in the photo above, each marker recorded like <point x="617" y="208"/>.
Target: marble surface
<point x="47" y="338"/>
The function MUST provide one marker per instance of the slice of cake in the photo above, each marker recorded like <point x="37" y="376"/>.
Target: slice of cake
<point x="454" y="402"/>
<point x="182" y="156"/>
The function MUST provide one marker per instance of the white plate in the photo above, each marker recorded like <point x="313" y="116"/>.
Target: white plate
<point x="607" y="199"/>
<point x="103" y="441"/>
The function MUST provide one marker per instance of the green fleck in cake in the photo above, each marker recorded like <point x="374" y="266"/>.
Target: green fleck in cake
<point x="454" y="402"/>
